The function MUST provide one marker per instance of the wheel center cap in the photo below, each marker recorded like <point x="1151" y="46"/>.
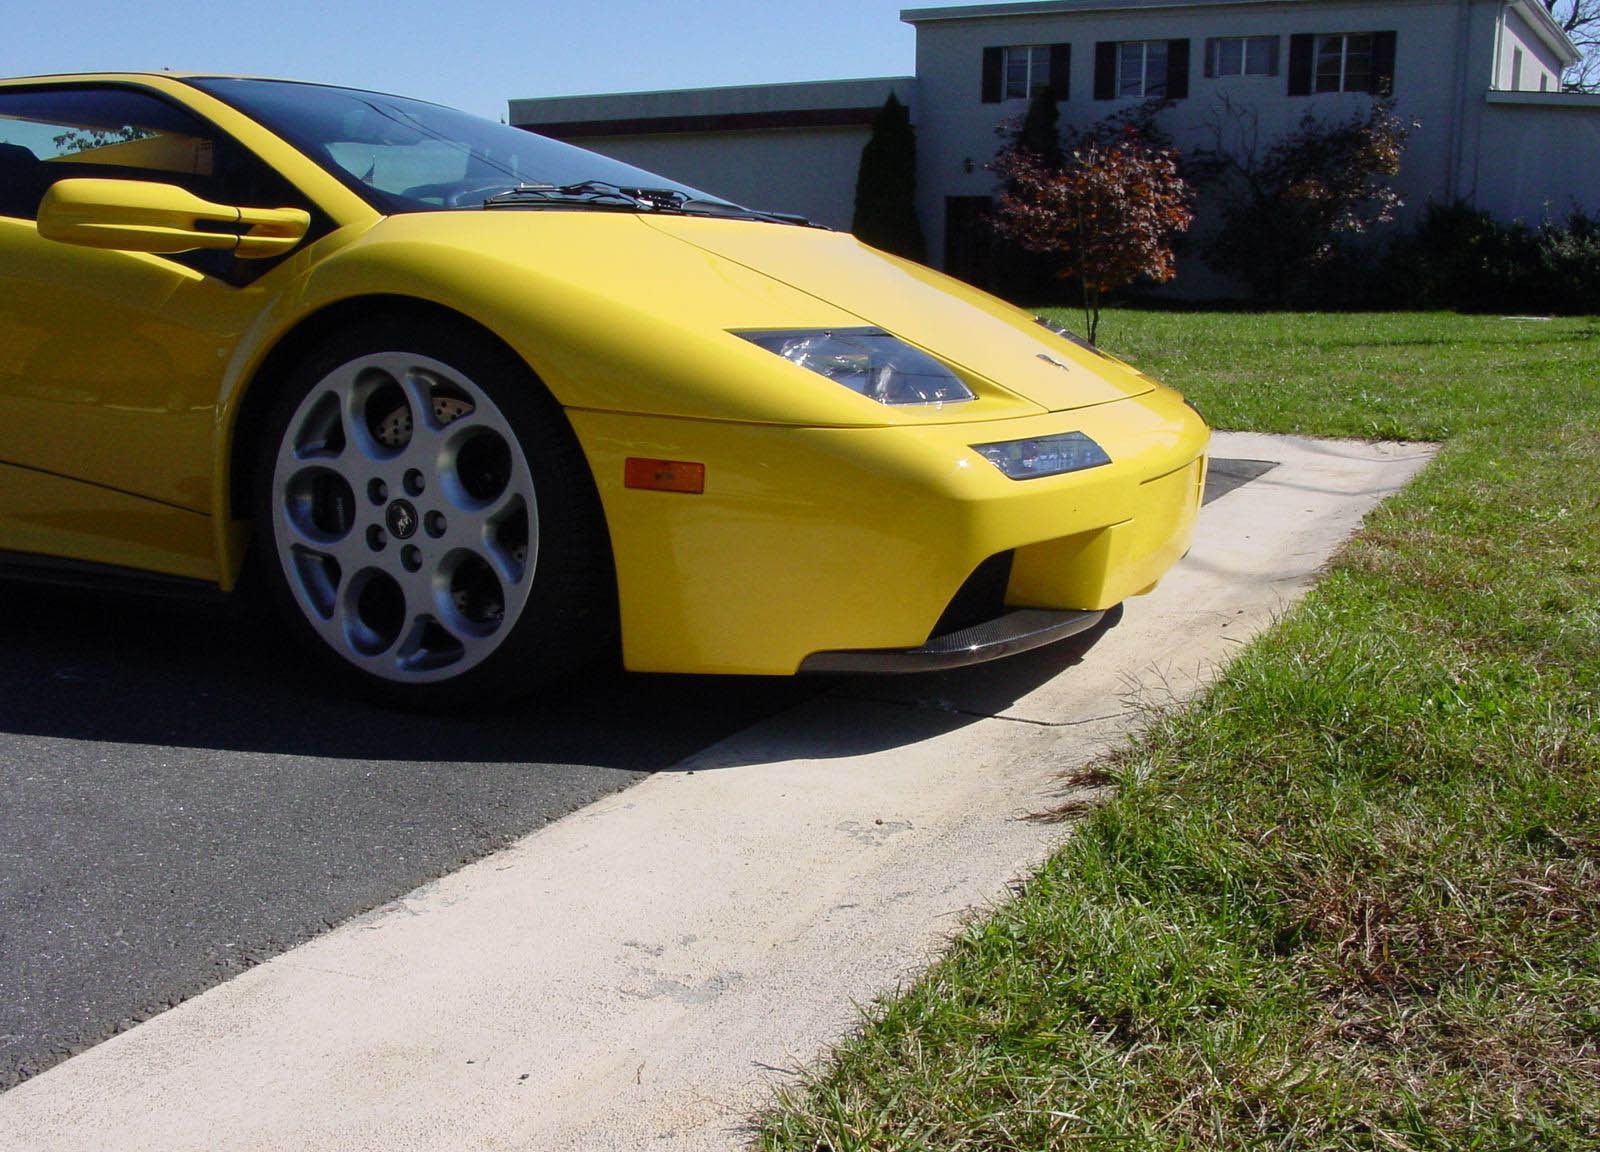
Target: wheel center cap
<point x="402" y="519"/>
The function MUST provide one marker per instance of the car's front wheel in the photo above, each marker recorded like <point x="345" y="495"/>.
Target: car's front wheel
<point x="426" y="521"/>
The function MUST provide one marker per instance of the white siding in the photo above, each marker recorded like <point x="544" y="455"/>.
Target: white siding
<point x="1538" y="60"/>
<point x="1433" y="39"/>
<point x="807" y="171"/>
<point x="1540" y="156"/>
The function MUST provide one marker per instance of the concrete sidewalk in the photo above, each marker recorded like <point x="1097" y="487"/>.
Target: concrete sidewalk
<point x="643" y="972"/>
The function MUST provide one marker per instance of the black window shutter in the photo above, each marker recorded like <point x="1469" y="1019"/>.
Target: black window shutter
<point x="1060" y="69"/>
<point x="1301" y="45"/>
<point x="1105" y="69"/>
<point x="1209" y="66"/>
<point x="1383" y="63"/>
<point x="992" y="64"/>
<point x="1177" y="69"/>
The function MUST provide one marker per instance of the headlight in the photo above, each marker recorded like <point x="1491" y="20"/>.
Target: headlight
<point x="1044" y="455"/>
<point x="868" y="361"/>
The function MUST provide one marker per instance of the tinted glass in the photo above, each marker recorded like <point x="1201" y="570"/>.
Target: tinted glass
<point x="1132" y="69"/>
<point x="1230" y="57"/>
<point x="1330" y="63"/>
<point x="1344" y="63"/>
<point x="1142" y="69"/>
<point x="110" y="132"/>
<point x="406" y="155"/>
<point x="1016" y="73"/>
<point x="50" y="134"/>
<point x="1358" y="63"/>
<point x="1258" y="56"/>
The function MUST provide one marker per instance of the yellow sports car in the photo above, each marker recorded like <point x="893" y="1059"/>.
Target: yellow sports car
<point x="474" y="406"/>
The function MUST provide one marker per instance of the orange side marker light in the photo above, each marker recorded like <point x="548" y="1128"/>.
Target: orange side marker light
<point x="664" y="475"/>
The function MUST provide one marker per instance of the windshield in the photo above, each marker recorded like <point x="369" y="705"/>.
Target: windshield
<point x="410" y="156"/>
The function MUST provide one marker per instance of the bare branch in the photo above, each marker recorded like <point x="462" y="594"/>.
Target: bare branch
<point x="1580" y="20"/>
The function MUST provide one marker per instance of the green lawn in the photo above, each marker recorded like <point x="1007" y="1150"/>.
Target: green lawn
<point x="1350" y="898"/>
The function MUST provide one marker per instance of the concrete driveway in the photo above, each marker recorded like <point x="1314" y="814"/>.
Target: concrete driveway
<point x="641" y="972"/>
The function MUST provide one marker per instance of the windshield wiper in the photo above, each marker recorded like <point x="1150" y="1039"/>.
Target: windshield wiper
<point x="588" y="192"/>
<point x="738" y="212"/>
<point x="613" y="197"/>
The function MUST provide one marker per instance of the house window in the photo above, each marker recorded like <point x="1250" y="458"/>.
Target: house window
<point x="1242" y="56"/>
<point x="1516" y="69"/>
<point x="1020" y="71"/>
<point x="1027" y="70"/>
<point x="1142" y="69"/>
<point x="1342" y="62"/>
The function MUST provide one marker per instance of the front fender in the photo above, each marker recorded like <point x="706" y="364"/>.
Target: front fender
<point x="612" y="315"/>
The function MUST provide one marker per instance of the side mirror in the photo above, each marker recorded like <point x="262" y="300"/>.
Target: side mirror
<point x="137" y="216"/>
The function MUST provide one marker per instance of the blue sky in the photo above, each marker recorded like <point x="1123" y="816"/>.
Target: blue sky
<point x="474" y="56"/>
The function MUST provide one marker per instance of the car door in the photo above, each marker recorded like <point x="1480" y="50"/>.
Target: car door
<point x="110" y="362"/>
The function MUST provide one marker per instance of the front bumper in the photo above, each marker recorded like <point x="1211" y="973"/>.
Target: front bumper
<point x="1021" y="630"/>
<point x="828" y="540"/>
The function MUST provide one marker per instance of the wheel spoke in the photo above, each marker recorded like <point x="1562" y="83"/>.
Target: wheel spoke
<point x="500" y="535"/>
<point x="424" y="444"/>
<point x="344" y="622"/>
<point x="419" y="591"/>
<point x="463" y="530"/>
<point x="351" y="552"/>
<point x="359" y="466"/>
<point x="511" y="501"/>
<point x="319" y="429"/>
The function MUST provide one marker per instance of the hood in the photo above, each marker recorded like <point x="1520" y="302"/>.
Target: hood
<point x="626" y="312"/>
<point x="977" y="333"/>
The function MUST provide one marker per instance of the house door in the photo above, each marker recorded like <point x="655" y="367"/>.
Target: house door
<point x="969" y="240"/>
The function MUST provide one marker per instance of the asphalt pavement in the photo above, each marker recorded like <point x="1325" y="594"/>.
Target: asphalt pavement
<point x="178" y="802"/>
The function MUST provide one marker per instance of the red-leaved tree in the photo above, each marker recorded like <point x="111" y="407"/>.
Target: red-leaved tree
<point x="1109" y="211"/>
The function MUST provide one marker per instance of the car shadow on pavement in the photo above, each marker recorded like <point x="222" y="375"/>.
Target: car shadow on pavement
<point x="861" y="715"/>
<point x="87" y="666"/>
<point x="83" y="665"/>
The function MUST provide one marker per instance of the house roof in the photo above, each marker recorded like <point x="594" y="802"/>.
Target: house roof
<point x="1547" y="29"/>
<point x="1534" y="12"/>
<point x="1065" y="8"/>
<point x="750" y="107"/>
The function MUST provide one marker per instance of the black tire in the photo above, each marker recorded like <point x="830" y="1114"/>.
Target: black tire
<point x="350" y="490"/>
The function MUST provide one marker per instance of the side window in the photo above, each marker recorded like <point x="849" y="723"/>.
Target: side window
<point x="50" y="134"/>
<point x="1241" y="56"/>
<point x="1018" y="72"/>
<point x="1341" y="62"/>
<point x="1141" y="69"/>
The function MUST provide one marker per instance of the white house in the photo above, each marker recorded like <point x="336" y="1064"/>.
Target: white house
<point x="1480" y="77"/>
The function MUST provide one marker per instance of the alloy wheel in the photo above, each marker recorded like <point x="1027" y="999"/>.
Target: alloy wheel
<point x="404" y="517"/>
